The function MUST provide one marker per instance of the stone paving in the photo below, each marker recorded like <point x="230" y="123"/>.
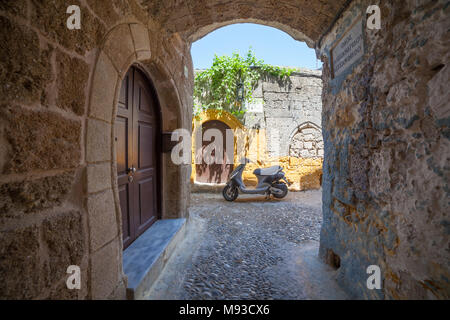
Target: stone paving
<point x="250" y="249"/>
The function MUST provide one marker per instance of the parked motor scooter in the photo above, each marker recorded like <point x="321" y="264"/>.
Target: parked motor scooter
<point x="269" y="182"/>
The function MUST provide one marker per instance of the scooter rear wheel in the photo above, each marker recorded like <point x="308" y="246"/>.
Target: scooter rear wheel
<point x="283" y="187"/>
<point x="230" y="193"/>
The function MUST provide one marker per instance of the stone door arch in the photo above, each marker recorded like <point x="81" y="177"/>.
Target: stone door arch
<point x="306" y="142"/>
<point x="125" y="45"/>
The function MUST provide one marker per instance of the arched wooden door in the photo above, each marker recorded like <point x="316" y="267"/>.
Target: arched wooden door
<point x="137" y="134"/>
<point x="214" y="173"/>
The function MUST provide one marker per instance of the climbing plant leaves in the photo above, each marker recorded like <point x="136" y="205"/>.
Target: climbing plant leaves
<point x="215" y="88"/>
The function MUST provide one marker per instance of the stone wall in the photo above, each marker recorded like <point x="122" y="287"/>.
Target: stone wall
<point x="386" y="173"/>
<point x="286" y="107"/>
<point x="291" y="124"/>
<point x="303" y="173"/>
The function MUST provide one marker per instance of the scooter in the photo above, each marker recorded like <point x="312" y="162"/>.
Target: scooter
<point x="269" y="182"/>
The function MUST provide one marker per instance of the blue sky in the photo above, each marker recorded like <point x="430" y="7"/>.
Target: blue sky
<point x="274" y="46"/>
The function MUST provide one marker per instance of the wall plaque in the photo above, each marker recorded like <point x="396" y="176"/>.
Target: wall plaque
<point x="348" y="49"/>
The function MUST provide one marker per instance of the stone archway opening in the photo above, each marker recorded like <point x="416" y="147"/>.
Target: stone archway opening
<point x="237" y="224"/>
<point x="289" y="105"/>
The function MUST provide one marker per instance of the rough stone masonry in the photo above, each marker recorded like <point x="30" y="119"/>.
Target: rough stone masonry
<point x="385" y="123"/>
<point x="387" y="149"/>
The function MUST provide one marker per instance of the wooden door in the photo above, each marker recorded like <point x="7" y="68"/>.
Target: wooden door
<point x="137" y="150"/>
<point x="217" y="172"/>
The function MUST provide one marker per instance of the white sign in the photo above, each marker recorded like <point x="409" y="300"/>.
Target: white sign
<point x="348" y="49"/>
<point x="256" y="105"/>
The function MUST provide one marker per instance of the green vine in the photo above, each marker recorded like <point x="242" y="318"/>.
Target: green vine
<point x="215" y="88"/>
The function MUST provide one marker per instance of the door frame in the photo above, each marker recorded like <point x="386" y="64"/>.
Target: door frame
<point x="158" y="142"/>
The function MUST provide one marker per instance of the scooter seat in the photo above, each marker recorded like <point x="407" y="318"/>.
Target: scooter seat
<point x="267" y="171"/>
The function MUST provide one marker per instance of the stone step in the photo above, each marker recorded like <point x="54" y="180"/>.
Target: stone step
<point x="198" y="187"/>
<point x="145" y="258"/>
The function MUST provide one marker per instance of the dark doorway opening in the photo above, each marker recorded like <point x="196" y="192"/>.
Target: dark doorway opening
<point x="216" y="172"/>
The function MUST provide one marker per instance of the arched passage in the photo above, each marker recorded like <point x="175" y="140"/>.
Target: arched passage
<point x="359" y="163"/>
<point x="385" y="131"/>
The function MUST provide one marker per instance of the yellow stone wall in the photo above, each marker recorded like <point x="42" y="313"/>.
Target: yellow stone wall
<point x="302" y="173"/>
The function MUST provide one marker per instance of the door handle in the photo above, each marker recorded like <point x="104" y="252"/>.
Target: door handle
<point x="130" y="172"/>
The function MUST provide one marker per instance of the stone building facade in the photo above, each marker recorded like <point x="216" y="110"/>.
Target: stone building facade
<point x="282" y="127"/>
<point x="384" y="122"/>
<point x="289" y="107"/>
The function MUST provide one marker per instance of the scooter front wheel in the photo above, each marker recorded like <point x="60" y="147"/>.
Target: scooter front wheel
<point x="230" y="193"/>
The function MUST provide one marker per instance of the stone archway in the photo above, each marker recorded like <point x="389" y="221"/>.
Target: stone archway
<point x="303" y="20"/>
<point x="124" y="45"/>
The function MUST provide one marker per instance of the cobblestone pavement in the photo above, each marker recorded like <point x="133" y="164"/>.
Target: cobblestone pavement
<point x="250" y="249"/>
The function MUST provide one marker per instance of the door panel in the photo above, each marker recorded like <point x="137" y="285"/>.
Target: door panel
<point x="121" y="131"/>
<point x="136" y="134"/>
<point x="147" y="202"/>
<point x="144" y="155"/>
<point x="146" y="146"/>
<point x="145" y="104"/>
